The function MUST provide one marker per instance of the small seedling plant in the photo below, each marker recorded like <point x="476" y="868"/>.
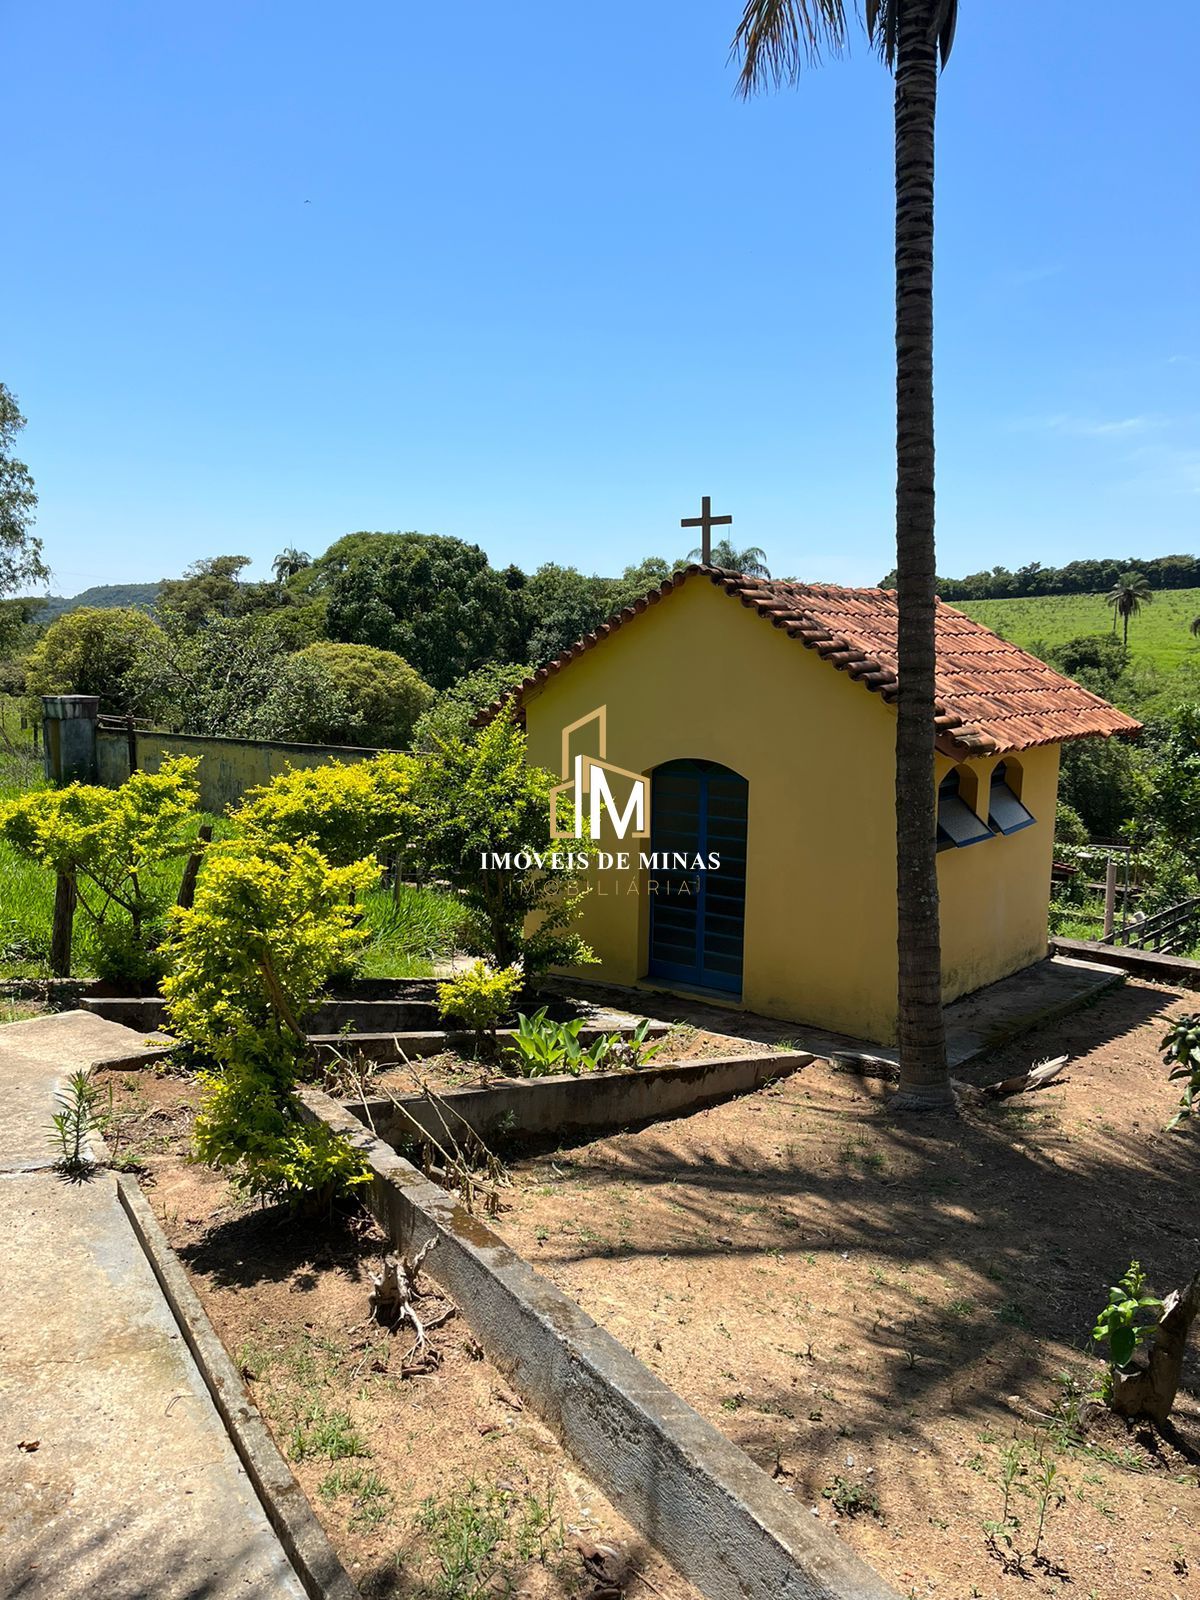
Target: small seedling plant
<point x="74" y="1120"/>
<point x="1125" y="1322"/>
<point x="1180" y="1048"/>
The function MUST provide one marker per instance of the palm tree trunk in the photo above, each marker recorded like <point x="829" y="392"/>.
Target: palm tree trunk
<point x="924" y="1078"/>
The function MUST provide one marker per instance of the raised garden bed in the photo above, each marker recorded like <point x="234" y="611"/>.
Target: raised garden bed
<point x="691" y="1069"/>
<point x="435" y="1485"/>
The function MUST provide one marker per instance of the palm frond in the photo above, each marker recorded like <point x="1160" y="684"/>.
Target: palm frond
<point x="775" y="38"/>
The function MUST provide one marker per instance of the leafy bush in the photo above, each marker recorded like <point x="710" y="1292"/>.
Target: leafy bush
<point x="1126" y="1320"/>
<point x="1180" y="1046"/>
<point x="540" y="1047"/>
<point x="1069" y="826"/>
<point x="112" y="844"/>
<point x="481" y="997"/>
<point x="269" y="924"/>
<point x="472" y="800"/>
<point x="384" y="694"/>
<point x="249" y="1123"/>
<point x="347" y="811"/>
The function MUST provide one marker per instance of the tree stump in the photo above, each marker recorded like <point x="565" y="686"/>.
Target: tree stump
<point x="64" y="921"/>
<point x="1147" y="1388"/>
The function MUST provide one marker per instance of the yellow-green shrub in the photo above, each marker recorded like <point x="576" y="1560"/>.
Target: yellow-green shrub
<point x="348" y="811"/>
<point x="269" y="925"/>
<point x="481" y="996"/>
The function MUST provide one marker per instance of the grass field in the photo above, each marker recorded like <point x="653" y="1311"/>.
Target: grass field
<point x="1160" y="634"/>
<point x="406" y="933"/>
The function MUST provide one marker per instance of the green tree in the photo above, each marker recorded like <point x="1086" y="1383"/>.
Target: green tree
<point x="215" y="679"/>
<point x="774" y="39"/>
<point x="433" y="600"/>
<point x="106" y="653"/>
<point x="1127" y="596"/>
<point x="563" y="605"/>
<point x="20" y="551"/>
<point x="451" y="717"/>
<point x="384" y="694"/>
<point x="470" y="800"/>
<point x="752" y="560"/>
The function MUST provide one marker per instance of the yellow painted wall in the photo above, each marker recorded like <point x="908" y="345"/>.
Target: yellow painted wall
<point x="701" y="676"/>
<point x="995" y="895"/>
<point x="228" y="767"/>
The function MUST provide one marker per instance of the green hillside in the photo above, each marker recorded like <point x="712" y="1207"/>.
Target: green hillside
<point x="1160" y="634"/>
<point x="102" y="595"/>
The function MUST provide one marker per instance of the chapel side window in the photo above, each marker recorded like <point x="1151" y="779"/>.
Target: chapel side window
<point x="958" y="825"/>
<point x="1006" y="812"/>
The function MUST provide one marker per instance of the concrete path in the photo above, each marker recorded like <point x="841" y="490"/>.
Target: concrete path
<point x="117" y="1477"/>
<point x="976" y="1024"/>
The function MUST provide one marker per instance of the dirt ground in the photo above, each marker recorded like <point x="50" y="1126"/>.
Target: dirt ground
<point x="892" y="1316"/>
<point x="439" y="1485"/>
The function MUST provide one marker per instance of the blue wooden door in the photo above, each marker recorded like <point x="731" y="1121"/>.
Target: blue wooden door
<point x="697" y="917"/>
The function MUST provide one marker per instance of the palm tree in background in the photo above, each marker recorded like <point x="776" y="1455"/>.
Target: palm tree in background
<point x="752" y="561"/>
<point x="774" y="40"/>
<point x="289" y="562"/>
<point x="1127" y="596"/>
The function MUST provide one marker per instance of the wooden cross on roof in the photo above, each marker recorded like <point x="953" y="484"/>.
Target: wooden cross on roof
<point x="706" y="522"/>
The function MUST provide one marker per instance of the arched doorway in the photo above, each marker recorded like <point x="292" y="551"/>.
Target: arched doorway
<point x="697" y="917"/>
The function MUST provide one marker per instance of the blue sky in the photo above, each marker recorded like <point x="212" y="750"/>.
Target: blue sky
<point x="529" y="274"/>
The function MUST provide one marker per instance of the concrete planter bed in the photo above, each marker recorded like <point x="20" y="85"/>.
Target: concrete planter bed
<point x="520" y="1108"/>
<point x="719" y="1519"/>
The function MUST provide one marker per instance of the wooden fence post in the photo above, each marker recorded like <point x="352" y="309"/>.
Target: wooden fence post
<point x="187" y="884"/>
<point x="1110" y="896"/>
<point x="64" y="920"/>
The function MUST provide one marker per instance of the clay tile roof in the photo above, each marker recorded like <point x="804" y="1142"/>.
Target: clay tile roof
<point x="991" y="696"/>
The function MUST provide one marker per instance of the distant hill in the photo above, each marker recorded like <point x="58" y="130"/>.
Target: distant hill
<point x="102" y="596"/>
<point x="1161" y="633"/>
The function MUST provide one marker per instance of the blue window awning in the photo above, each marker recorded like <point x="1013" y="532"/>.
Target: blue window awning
<point x="957" y="823"/>
<point x="1006" y="814"/>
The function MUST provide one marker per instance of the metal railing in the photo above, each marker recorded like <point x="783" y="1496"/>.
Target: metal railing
<point x="1166" y="932"/>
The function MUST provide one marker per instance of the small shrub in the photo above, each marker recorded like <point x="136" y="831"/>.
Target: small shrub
<point x="481" y="997"/>
<point x="849" y="1498"/>
<point x="249" y="1125"/>
<point x="1180" y="1046"/>
<point x="252" y="954"/>
<point x="1124" y="1323"/>
<point x="74" y="1120"/>
<point x="541" y="1047"/>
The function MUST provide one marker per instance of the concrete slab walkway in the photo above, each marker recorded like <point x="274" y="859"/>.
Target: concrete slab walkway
<point x="117" y="1477"/>
<point x="974" y="1025"/>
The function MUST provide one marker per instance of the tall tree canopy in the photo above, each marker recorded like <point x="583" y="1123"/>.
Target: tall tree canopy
<point x="433" y="600"/>
<point x="20" y="551"/>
